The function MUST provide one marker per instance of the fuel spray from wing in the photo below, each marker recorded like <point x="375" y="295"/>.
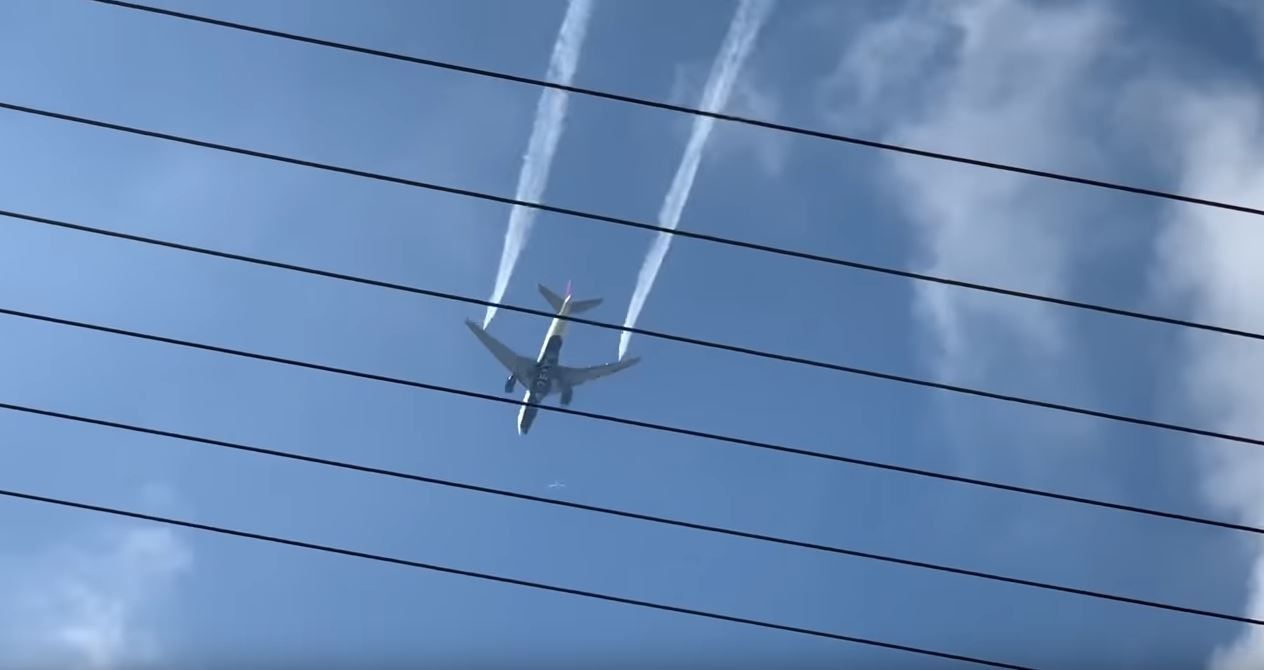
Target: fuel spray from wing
<point x="742" y="32"/>
<point x="546" y="131"/>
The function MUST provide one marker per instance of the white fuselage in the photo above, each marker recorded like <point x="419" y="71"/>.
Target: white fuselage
<point x="543" y="383"/>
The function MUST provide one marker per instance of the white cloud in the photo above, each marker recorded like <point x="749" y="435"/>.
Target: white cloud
<point x="1210" y="259"/>
<point x="752" y="97"/>
<point x="91" y="605"/>
<point x="997" y="80"/>
<point x="1020" y="86"/>
<point x="885" y="67"/>
<point x="1028" y="83"/>
<point x="1006" y="97"/>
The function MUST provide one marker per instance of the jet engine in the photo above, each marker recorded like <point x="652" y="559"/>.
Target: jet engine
<point x="567" y="394"/>
<point x="509" y="384"/>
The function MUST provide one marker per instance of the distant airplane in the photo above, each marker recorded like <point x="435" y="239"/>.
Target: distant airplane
<point x="544" y="375"/>
<point x="557" y="485"/>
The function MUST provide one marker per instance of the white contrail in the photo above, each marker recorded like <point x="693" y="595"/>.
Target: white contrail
<point x="550" y="114"/>
<point x="745" y="27"/>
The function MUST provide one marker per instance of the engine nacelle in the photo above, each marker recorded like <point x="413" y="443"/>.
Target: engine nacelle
<point x="509" y="383"/>
<point x="567" y="394"/>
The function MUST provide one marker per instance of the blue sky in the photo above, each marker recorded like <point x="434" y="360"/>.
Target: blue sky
<point x="1168" y="98"/>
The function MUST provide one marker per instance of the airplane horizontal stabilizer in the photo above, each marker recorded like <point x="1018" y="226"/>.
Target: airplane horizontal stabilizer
<point x="578" y="306"/>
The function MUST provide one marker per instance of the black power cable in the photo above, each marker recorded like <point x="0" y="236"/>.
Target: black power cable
<point x="274" y="539"/>
<point x="640" y="225"/>
<point x="797" y="130"/>
<point x="395" y="474"/>
<point x="785" y="358"/>
<point x="636" y="423"/>
<point x="415" y="564"/>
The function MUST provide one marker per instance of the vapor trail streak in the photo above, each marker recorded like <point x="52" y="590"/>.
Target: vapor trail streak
<point x="745" y="27"/>
<point x="550" y="117"/>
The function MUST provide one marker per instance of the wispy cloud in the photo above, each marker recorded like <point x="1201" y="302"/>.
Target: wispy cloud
<point x="90" y="605"/>
<point x="1210" y="259"/>
<point x="1022" y="82"/>
<point x="1001" y="80"/>
<point x="546" y="131"/>
<point x="739" y="41"/>
<point x="989" y="226"/>
<point x="885" y="67"/>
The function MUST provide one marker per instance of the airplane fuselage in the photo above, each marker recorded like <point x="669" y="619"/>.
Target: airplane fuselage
<point x="544" y="375"/>
<point x="543" y="382"/>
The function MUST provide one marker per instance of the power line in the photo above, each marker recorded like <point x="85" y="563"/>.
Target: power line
<point x="635" y="423"/>
<point x="395" y="474"/>
<point x="640" y="225"/>
<point x="837" y="367"/>
<point x="274" y="539"/>
<point x="615" y="512"/>
<point x="643" y="102"/>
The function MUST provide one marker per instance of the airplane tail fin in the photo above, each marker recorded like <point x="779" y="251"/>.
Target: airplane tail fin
<point x="576" y="306"/>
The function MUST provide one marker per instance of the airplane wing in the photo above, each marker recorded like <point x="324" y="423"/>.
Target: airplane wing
<point x="520" y="366"/>
<point x="576" y="376"/>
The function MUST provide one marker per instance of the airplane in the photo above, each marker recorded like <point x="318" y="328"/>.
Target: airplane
<point x="544" y="375"/>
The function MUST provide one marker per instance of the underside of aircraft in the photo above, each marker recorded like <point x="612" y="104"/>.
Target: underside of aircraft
<point x="545" y="375"/>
